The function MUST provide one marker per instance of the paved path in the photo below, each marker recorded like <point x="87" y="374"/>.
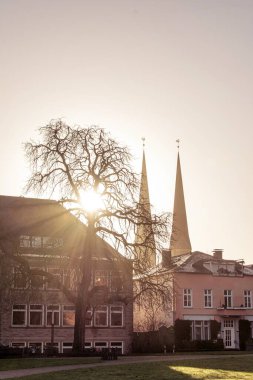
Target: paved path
<point x="122" y="360"/>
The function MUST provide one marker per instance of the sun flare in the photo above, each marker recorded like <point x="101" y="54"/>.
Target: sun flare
<point x="91" y="200"/>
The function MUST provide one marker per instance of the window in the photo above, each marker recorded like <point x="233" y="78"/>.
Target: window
<point x="36" y="348"/>
<point x="47" y="242"/>
<point x="67" y="347"/>
<point x="37" y="281"/>
<point x="208" y="298"/>
<point x="52" y="242"/>
<point x="101" y="278"/>
<point x="187" y="298"/>
<point x="101" y="319"/>
<point x="54" y="283"/>
<point x="24" y="241"/>
<point x="48" y="345"/>
<point x="100" y="345"/>
<point x="36" y="315"/>
<point x="19" y="315"/>
<point x="36" y="241"/>
<point x="247" y="298"/>
<point x="116" y="316"/>
<point x="200" y="330"/>
<point x="118" y="345"/>
<point x="88" y="319"/>
<point x="18" y="344"/>
<point x="228" y="298"/>
<point x="53" y="315"/>
<point x="228" y="323"/>
<point x="19" y="280"/>
<point x="68" y="316"/>
<point x="116" y="282"/>
<point x="197" y="330"/>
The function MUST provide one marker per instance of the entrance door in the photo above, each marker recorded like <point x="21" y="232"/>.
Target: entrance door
<point x="229" y="333"/>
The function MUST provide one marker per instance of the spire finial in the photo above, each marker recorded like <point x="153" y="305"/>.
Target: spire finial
<point x="143" y="142"/>
<point x="178" y="143"/>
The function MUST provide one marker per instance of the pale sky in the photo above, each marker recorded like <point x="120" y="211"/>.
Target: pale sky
<point x="163" y="69"/>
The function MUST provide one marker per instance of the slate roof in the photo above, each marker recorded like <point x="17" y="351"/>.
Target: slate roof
<point x="198" y="262"/>
<point x="44" y="217"/>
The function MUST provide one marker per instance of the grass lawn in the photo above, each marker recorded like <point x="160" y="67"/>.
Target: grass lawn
<point x="239" y="368"/>
<point x="8" y="364"/>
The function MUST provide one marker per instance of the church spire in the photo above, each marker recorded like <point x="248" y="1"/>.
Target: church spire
<point x="180" y="240"/>
<point x="146" y="254"/>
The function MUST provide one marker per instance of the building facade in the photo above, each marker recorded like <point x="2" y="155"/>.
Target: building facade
<point x="206" y="288"/>
<point x="203" y="287"/>
<point x="36" y="310"/>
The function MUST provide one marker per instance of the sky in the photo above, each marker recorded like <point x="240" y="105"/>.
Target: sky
<point x="159" y="69"/>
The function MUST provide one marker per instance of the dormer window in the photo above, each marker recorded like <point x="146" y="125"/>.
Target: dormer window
<point x="27" y="241"/>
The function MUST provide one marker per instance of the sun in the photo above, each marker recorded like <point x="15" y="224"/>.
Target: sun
<point x="91" y="200"/>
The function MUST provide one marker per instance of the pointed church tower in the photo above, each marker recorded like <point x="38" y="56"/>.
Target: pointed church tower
<point x="179" y="241"/>
<point x="145" y="254"/>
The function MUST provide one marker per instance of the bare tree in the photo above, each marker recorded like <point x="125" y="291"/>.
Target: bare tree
<point x="69" y="162"/>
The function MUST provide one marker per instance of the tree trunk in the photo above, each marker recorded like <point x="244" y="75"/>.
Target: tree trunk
<point x="82" y="302"/>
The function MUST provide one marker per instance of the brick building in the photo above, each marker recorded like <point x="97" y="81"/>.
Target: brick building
<point x="34" y="310"/>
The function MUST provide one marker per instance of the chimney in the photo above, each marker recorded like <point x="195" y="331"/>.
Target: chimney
<point x="166" y="258"/>
<point x="217" y="253"/>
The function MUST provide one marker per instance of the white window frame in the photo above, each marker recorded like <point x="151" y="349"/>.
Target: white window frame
<point x="208" y="298"/>
<point x="68" y="346"/>
<point x="96" y="310"/>
<point x="25" y="241"/>
<point x="19" y="310"/>
<point x="187" y="298"/>
<point x="228" y="298"/>
<point x="99" y="348"/>
<point x="119" y="276"/>
<point x="117" y="346"/>
<point x="53" y="312"/>
<point x="18" y="344"/>
<point x="121" y="311"/>
<point x="56" y="345"/>
<point x="89" y="311"/>
<point x="41" y="310"/>
<point x="202" y="325"/>
<point x="31" y="344"/>
<point x="247" y="299"/>
<point x="17" y="272"/>
<point x="101" y="278"/>
<point x="71" y="309"/>
<point x="50" y="242"/>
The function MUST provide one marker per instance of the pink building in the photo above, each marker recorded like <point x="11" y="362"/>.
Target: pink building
<point x="204" y="287"/>
<point x="209" y="288"/>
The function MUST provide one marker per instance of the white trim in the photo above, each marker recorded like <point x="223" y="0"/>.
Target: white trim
<point x="23" y="344"/>
<point x="198" y="317"/>
<point x="19" y="310"/>
<point x="34" y="311"/>
<point x="119" y="341"/>
<point x="116" y="312"/>
<point x="62" y="313"/>
<point x="42" y="345"/>
<point x="53" y="311"/>
<point x="100" y="341"/>
<point x="248" y="317"/>
<point x="97" y="311"/>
